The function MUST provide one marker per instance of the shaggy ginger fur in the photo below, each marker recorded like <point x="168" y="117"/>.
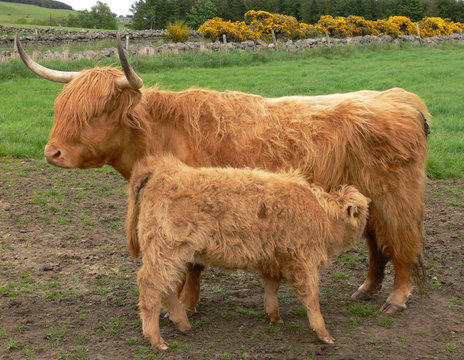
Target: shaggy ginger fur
<point x="246" y="219"/>
<point x="374" y="140"/>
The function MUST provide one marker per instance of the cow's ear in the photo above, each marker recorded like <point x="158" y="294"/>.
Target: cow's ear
<point x="353" y="211"/>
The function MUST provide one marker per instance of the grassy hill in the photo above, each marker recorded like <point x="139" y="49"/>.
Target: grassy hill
<point x="22" y="14"/>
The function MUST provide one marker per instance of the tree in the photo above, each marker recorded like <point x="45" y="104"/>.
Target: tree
<point x="154" y="14"/>
<point x="103" y="17"/>
<point x="200" y="12"/>
<point x="413" y="9"/>
<point x="310" y="11"/>
<point x="99" y="17"/>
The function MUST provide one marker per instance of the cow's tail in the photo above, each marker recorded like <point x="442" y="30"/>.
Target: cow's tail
<point x="426" y="125"/>
<point x="420" y="275"/>
<point x="132" y="218"/>
<point x="419" y="270"/>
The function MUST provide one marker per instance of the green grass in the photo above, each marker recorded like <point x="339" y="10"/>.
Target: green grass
<point x="10" y="13"/>
<point x="434" y="73"/>
<point x="360" y="309"/>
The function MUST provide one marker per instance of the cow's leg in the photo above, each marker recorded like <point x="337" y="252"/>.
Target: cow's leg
<point x="271" y="306"/>
<point x="398" y="234"/>
<point x="306" y="286"/>
<point x="375" y="274"/>
<point x="190" y="293"/>
<point x="402" y="286"/>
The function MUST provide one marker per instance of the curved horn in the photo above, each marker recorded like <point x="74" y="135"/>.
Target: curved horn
<point x="131" y="79"/>
<point x="49" y="74"/>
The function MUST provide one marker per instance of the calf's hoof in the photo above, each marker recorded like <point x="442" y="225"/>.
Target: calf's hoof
<point x="327" y="339"/>
<point x="359" y="295"/>
<point x="190" y="312"/>
<point x="161" y="346"/>
<point x="391" y="309"/>
<point x="183" y="326"/>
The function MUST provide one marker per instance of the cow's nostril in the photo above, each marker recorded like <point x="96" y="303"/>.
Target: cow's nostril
<point x="56" y="154"/>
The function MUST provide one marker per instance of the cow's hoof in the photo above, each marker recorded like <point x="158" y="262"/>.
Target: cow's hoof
<point x="162" y="346"/>
<point x="391" y="309"/>
<point x="359" y="295"/>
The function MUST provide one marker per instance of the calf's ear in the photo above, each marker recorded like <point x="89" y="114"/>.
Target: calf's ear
<point x="353" y="211"/>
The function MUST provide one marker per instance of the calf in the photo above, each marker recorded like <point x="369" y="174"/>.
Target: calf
<point x="276" y="224"/>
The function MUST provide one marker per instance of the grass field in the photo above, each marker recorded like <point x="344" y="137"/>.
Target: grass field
<point x="12" y="13"/>
<point x="434" y="73"/>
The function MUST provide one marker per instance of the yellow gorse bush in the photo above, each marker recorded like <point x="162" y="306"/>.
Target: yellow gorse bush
<point x="432" y="26"/>
<point x="235" y="31"/>
<point x="177" y="32"/>
<point x="405" y="25"/>
<point x="259" y="25"/>
<point x="262" y="23"/>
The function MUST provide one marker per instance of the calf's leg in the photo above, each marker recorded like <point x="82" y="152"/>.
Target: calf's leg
<point x="271" y="306"/>
<point x="156" y="281"/>
<point x="150" y="306"/>
<point x="176" y="311"/>
<point x="306" y="287"/>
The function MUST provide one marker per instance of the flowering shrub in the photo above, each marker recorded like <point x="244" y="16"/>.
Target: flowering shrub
<point x="387" y="28"/>
<point x="259" y="24"/>
<point x="337" y="27"/>
<point x="360" y="26"/>
<point x="308" y="31"/>
<point x="235" y="31"/>
<point x="431" y="26"/>
<point x="262" y="23"/>
<point x="405" y="25"/>
<point x="177" y="32"/>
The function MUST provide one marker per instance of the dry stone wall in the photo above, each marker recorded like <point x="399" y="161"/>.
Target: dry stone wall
<point x="148" y="42"/>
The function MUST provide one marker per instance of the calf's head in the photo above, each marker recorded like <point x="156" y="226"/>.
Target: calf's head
<point x="354" y="212"/>
<point x="93" y="114"/>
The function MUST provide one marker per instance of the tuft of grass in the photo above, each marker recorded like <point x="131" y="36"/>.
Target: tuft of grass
<point x="132" y="341"/>
<point x="113" y="325"/>
<point x="146" y="353"/>
<point x="12" y="344"/>
<point x="75" y="354"/>
<point x="360" y="309"/>
<point x="55" y="334"/>
<point x="451" y="347"/>
<point x="339" y="276"/>
<point x="354" y="321"/>
<point x="386" y="322"/>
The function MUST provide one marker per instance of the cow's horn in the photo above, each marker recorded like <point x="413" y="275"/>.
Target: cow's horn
<point x="49" y="74"/>
<point x="131" y="79"/>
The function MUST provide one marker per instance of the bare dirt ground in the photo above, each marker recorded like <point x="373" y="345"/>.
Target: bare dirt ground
<point x="68" y="285"/>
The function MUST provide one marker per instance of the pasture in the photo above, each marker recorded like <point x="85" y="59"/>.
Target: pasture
<point x="67" y="282"/>
<point x="14" y="13"/>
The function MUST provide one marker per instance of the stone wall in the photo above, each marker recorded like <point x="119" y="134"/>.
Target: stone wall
<point x="57" y="37"/>
<point x="145" y="43"/>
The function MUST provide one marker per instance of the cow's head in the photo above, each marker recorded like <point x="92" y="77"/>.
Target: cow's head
<point x="93" y="114"/>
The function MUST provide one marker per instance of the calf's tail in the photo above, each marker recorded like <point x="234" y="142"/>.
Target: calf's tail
<point x="132" y="218"/>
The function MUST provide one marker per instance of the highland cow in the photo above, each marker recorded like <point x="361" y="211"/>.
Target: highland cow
<point x="374" y="140"/>
<point x="274" y="223"/>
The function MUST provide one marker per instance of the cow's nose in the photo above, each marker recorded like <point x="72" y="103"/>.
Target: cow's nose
<point x="52" y="154"/>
